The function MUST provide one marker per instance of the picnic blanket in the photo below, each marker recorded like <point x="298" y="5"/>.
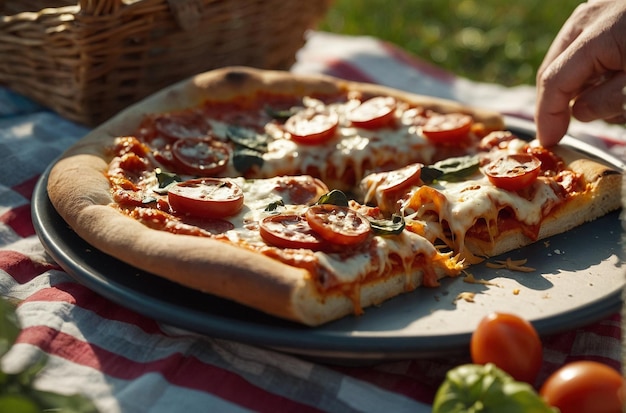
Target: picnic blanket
<point x="125" y="361"/>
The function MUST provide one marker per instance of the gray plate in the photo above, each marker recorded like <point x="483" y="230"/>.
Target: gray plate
<point x="579" y="279"/>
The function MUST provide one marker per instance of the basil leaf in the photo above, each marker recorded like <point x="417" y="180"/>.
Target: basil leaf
<point x="280" y="115"/>
<point x="247" y="138"/>
<point x="273" y="206"/>
<point x="451" y="169"/>
<point x="430" y="174"/>
<point x="456" y="169"/>
<point x="486" y="388"/>
<point x="245" y="159"/>
<point x="393" y="226"/>
<point x="334" y="197"/>
<point x="249" y="147"/>
<point x="166" y="178"/>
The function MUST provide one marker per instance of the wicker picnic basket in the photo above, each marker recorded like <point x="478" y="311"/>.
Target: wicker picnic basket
<point x="88" y="59"/>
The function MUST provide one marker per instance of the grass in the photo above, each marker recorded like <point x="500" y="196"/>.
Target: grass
<point x="485" y="40"/>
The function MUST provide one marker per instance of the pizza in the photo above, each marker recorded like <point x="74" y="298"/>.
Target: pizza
<point x="311" y="198"/>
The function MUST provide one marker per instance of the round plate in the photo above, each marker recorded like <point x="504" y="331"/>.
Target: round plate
<point x="578" y="280"/>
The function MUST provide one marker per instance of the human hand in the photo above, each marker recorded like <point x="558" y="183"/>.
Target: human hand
<point x="584" y="71"/>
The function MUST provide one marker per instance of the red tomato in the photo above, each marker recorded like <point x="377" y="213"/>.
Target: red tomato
<point x="513" y="172"/>
<point x="449" y="128"/>
<point x="402" y="179"/>
<point x="509" y="342"/>
<point x="374" y="113"/>
<point x="585" y="387"/>
<point x="311" y="128"/>
<point x="201" y="157"/>
<point x="290" y="231"/>
<point x="339" y="225"/>
<point x="206" y="197"/>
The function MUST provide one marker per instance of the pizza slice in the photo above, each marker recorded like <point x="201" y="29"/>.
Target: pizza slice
<point x="509" y="194"/>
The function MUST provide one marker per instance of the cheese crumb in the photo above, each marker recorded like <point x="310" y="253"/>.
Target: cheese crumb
<point x="470" y="279"/>
<point x="509" y="264"/>
<point x="466" y="296"/>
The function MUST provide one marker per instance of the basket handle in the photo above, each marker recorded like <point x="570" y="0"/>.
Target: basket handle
<point x="187" y="13"/>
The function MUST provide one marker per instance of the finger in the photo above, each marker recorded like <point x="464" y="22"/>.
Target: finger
<point x="556" y="87"/>
<point x="565" y="78"/>
<point x="570" y="30"/>
<point x="594" y="51"/>
<point x="603" y="101"/>
<point x="552" y="123"/>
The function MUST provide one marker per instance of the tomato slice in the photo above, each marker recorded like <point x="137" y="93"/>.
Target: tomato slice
<point x="337" y="224"/>
<point x="402" y="179"/>
<point x="449" y="128"/>
<point x="300" y="189"/>
<point x="290" y="231"/>
<point x="312" y="128"/>
<point x="375" y="113"/>
<point x="206" y="197"/>
<point x="181" y="125"/>
<point x="513" y="172"/>
<point x="200" y="157"/>
<point x="495" y="139"/>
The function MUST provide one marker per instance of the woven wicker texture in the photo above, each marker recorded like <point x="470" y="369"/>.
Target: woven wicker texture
<point x="90" y="59"/>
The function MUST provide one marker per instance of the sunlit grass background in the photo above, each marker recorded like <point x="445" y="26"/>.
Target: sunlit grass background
<point x="487" y="40"/>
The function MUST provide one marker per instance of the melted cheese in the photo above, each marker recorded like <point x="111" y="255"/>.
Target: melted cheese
<point x="462" y="204"/>
<point x="416" y="254"/>
<point x="477" y="198"/>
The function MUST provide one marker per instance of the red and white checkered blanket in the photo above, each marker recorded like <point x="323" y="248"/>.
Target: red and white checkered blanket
<point x="128" y="362"/>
